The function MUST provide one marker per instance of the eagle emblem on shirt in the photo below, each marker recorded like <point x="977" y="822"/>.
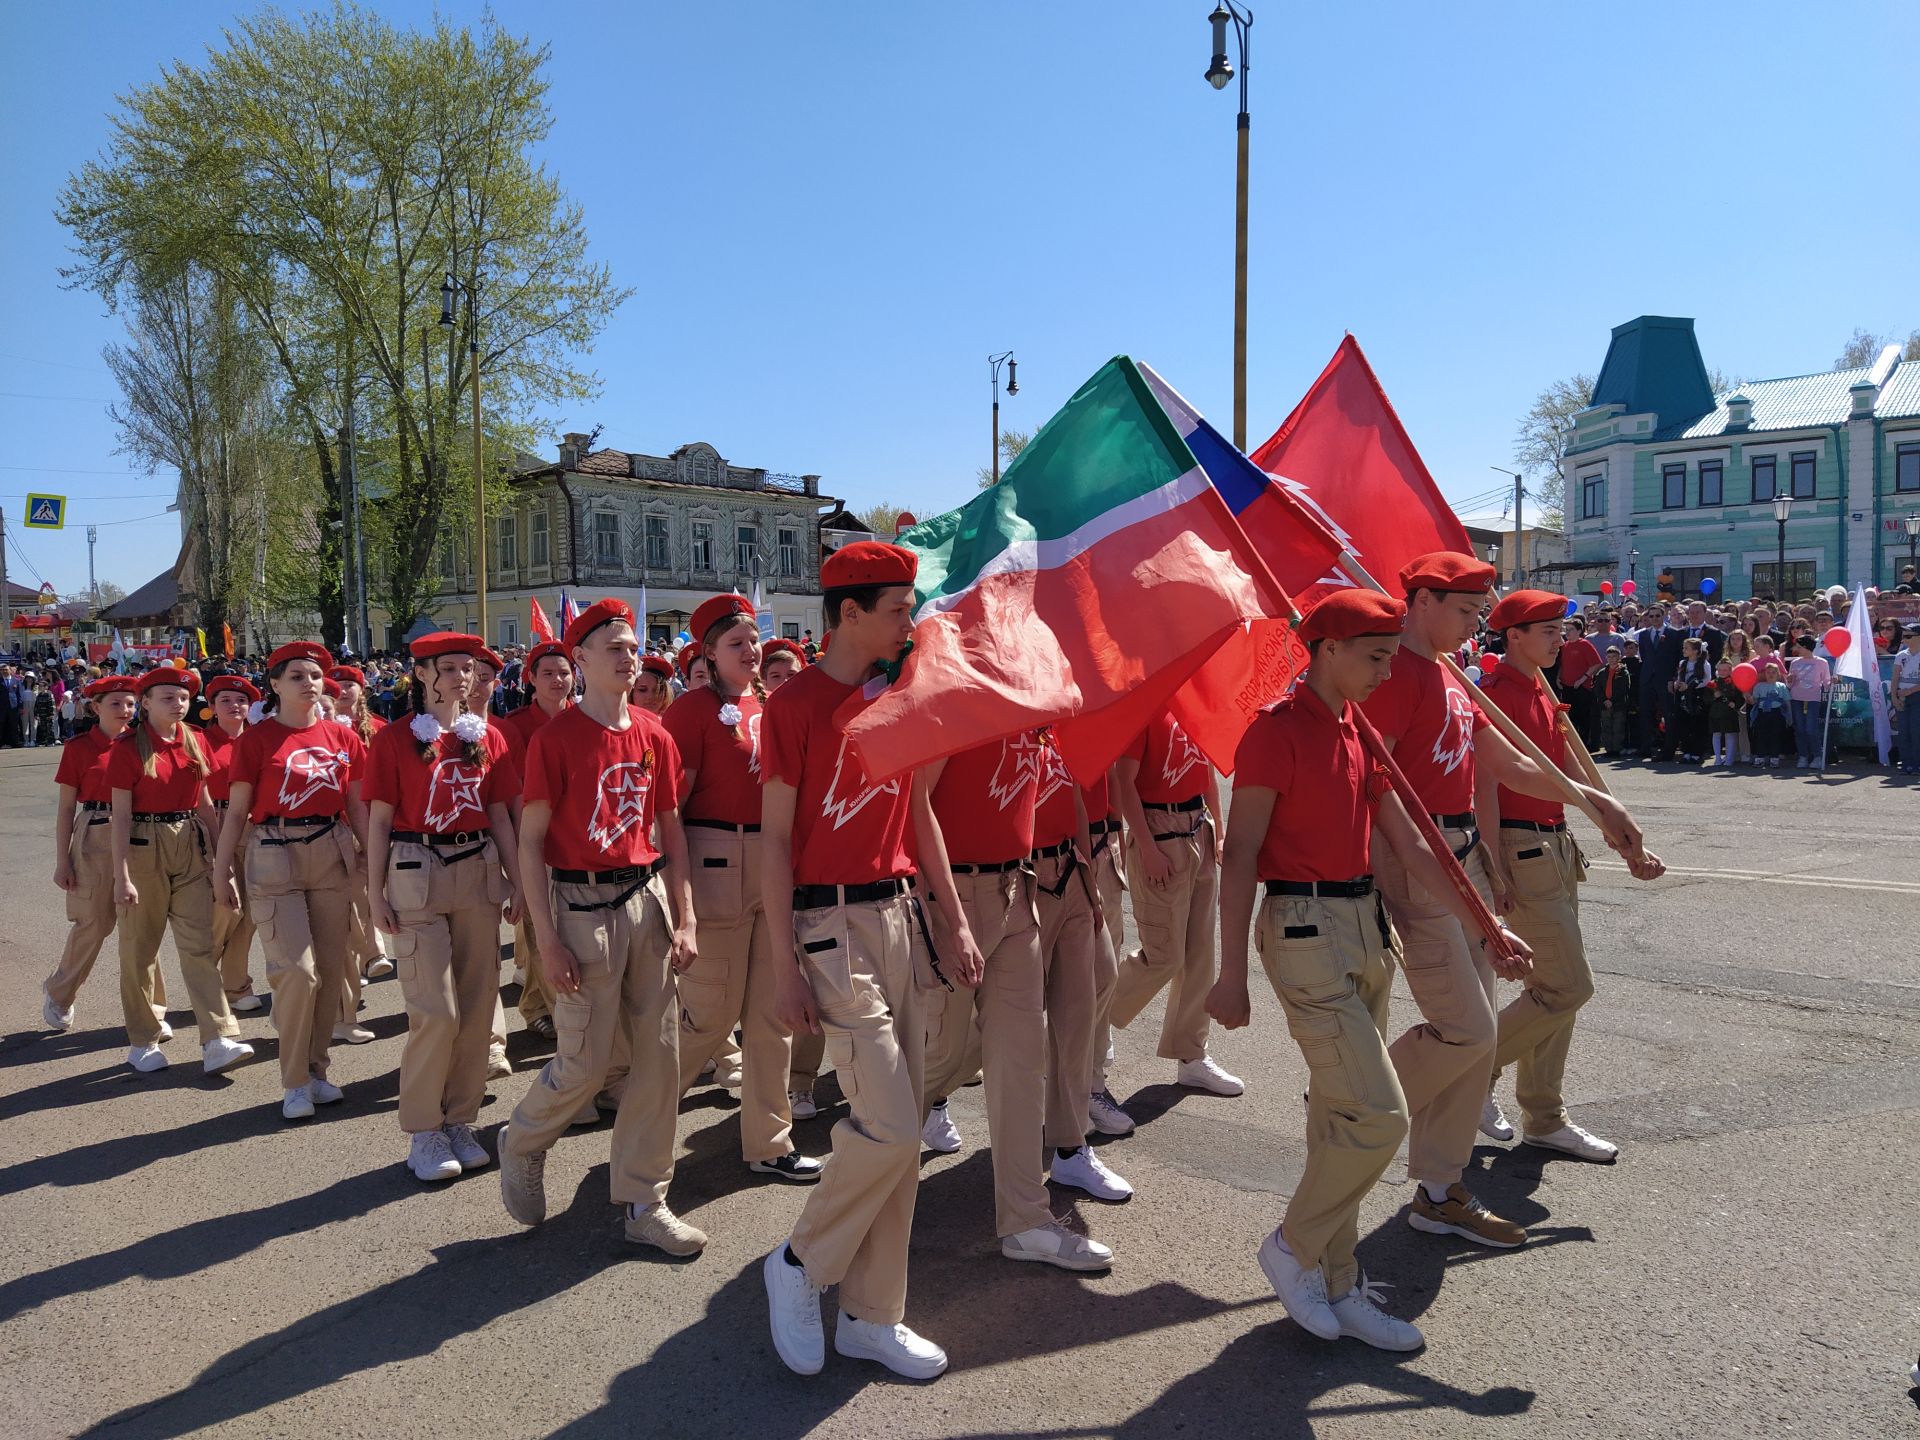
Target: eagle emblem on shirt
<point x="453" y="789"/>
<point x="1182" y="756"/>
<point x="1054" y="775"/>
<point x="752" y="731"/>
<point x="1455" y="740"/>
<point x="621" y="802"/>
<point x="850" y="793"/>
<point x="1023" y="758"/>
<point x="310" y="770"/>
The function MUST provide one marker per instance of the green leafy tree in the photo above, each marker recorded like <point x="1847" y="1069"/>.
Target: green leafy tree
<point x="1012" y="442"/>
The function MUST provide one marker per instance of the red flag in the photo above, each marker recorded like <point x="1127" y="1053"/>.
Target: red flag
<point x="537" y="620"/>
<point x="1345" y="455"/>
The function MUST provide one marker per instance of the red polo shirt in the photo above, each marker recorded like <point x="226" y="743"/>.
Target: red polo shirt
<point x="296" y="773"/>
<point x="985" y="800"/>
<point x="83" y="765"/>
<point x="1053" y="815"/>
<point x="604" y="786"/>
<point x="519" y="727"/>
<point x="1172" y="769"/>
<point x="1322" y="822"/>
<point x="446" y="795"/>
<point x="219" y="747"/>
<point x="846" y="831"/>
<point x="1433" y="723"/>
<point x="725" y="761"/>
<point x="1525" y="700"/>
<point x="176" y="782"/>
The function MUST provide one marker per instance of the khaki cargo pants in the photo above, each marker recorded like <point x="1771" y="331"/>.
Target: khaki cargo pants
<point x="91" y="914"/>
<point x="1536" y="1029"/>
<point x="1069" y="955"/>
<point x="1176" y="923"/>
<point x="167" y="862"/>
<point x="1332" y="968"/>
<point x="299" y="893"/>
<point x="1110" y="888"/>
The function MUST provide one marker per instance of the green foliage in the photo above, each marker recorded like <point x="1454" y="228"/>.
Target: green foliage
<point x="1012" y="442"/>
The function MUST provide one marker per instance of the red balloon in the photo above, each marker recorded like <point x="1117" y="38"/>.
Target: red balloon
<point x="1488" y="661"/>
<point x="1744" y="677"/>
<point x="1838" y="641"/>
<point x="1628" y="587"/>
<point x="1606" y="587"/>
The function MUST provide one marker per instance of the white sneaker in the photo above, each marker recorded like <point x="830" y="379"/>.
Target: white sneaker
<point x="940" y="1134"/>
<point x="1106" y="1116"/>
<point x="793" y="1312"/>
<point x="296" y="1104"/>
<point x="246" y="1004"/>
<point x="523" y="1182"/>
<point x="431" y="1158"/>
<point x="520" y="976"/>
<point x="56" y="1018"/>
<point x="1206" y="1074"/>
<point x="728" y="1077"/>
<point x="379" y="968"/>
<point x="1493" y="1121"/>
<point x="1054" y="1244"/>
<point x="325" y="1092"/>
<point x="1570" y="1139"/>
<point x="219" y="1053"/>
<point x="350" y="1033"/>
<point x="1108" y="1062"/>
<point x="894" y="1346"/>
<point x="801" y="1106"/>
<point x="1302" y="1291"/>
<point x="498" y="1066"/>
<point x="166" y="1030"/>
<point x="146" y="1058"/>
<point x="471" y="1154"/>
<point x="1361" y="1318"/>
<point x="1084" y="1170"/>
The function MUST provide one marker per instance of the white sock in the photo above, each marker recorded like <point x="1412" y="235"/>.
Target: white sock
<point x="1436" y="1192"/>
<point x="634" y="1212"/>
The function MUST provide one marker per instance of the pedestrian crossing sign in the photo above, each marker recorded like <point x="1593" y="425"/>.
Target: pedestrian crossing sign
<point x="46" y="512"/>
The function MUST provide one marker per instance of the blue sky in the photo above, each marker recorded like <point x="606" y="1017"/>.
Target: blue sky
<point x="832" y="213"/>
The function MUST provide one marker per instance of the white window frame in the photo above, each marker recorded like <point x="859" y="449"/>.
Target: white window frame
<point x="601" y="529"/>
<point x="789" y="552"/>
<point x="702" y="545"/>
<point x="537" y="540"/>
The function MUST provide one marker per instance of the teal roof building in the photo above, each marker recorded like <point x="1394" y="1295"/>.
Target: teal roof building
<point x="1665" y="477"/>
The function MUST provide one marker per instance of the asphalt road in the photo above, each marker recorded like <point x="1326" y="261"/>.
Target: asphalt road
<point x="181" y="1262"/>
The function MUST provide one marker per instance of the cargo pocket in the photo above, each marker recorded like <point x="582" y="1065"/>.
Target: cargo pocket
<point x="719" y="878"/>
<point x="840" y="1053"/>
<point x="404" y="950"/>
<point x="571" y="1014"/>
<point x="1536" y="872"/>
<point x="703" y="999"/>
<point x="1318" y="1036"/>
<point x="826" y="957"/>
<point x="407" y="878"/>
<point x="268" y="868"/>
<point x="496" y="881"/>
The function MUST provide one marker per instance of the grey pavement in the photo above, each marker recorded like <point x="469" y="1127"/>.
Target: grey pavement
<point x="181" y="1262"/>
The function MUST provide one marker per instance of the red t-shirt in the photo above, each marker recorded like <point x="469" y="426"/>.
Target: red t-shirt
<point x="1322" y="823"/>
<point x="604" y="787"/>
<point x="845" y="830"/>
<point x="1525" y="700"/>
<point x="1172" y="769"/>
<point x="448" y="795"/>
<point x="1099" y="801"/>
<point x="296" y="773"/>
<point x="219" y="747"/>
<point x="725" y="762"/>
<point x="176" y="781"/>
<point x="1433" y="723"/>
<point x="985" y="800"/>
<point x="83" y="765"/>
<point x="1578" y="660"/>
<point x="1053" y="817"/>
<point x="518" y="726"/>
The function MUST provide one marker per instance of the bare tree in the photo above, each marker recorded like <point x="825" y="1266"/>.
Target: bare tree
<point x="1864" y="347"/>
<point x="1012" y="442"/>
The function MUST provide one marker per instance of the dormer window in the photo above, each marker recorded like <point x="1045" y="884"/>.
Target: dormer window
<point x="1739" y="411"/>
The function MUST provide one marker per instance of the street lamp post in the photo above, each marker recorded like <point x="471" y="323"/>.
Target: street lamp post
<point x="994" y="362"/>
<point x="1219" y="72"/>
<point x="1913" y="539"/>
<point x="1633" y="567"/>
<point x="1782" y="508"/>
<point x="448" y="289"/>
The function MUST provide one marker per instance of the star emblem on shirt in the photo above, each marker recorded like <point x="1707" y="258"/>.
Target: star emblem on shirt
<point x="452" y="791"/>
<point x="307" y="772"/>
<point x="849" y="793"/>
<point x="1022" y="758"/>
<point x="621" y="802"/>
<point x="1182" y="756"/>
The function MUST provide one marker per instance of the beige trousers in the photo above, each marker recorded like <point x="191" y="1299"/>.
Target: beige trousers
<point x="233" y="942"/>
<point x="447" y="958"/>
<point x="621" y="949"/>
<point x="1176" y="922"/>
<point x="870" y="973"/>
<point x="91" y="914"/>
<point x="1446" y="1061"/>
<point x="1011" y="1005"/>
<point x="536" y="997"/>
<point x="168" y="866"/>
<point x="1333" y="972"/>
<point x="1110" y="888"/>
<point x="298" y="895"/>
<point x="1536" y="1028"/>
<point x="1069" y="950"/>
<point x="734" y="983"/>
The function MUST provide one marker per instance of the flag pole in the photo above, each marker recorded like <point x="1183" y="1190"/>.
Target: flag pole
<point x="1575" y="745"/>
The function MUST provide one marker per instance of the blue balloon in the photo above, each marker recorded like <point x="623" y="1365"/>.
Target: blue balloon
<point x="1709" y="585"/>
<point x="1573" y="607"/>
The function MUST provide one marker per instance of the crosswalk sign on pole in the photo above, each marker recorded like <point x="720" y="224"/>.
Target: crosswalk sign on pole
<point x="46" y="512"/>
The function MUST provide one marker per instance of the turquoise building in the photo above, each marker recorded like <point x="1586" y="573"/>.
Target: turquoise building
<point x="1664" y="476"/>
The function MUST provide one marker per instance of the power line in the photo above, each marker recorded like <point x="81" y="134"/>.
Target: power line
<point x="42" y="360"/>
<point x="137" y="519"/>
<point x="55" y="470"/>
<point x="147" y="495"/>
<point x="78" y="399"/>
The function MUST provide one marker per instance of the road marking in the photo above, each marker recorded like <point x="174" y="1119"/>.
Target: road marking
<point x="1818" y="882"/>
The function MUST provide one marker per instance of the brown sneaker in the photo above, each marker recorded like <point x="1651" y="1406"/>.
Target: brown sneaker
<point x="660" y="1227"/>
<point x="1463" y="1215"/>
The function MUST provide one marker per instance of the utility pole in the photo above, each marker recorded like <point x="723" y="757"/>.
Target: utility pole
<point x="93" y="585"/>
<point x="6" y="590"/>
<point x="1519" y="499"/>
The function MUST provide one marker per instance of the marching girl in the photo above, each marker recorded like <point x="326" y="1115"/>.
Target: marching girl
<point x="293" y="777"/>
<point x="440" y="847"/>
<point x="780" y="661"/>
<point x="83" y="848"/>
<point x="486" y="677"/>
<point x="549" y="675"/>
<point x="653" y="685"/>
<point x="230" y="697"/>
<point x="161" y="819"/>
<point x="733" y="981"/>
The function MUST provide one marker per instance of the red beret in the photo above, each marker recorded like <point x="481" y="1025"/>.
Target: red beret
<point x="221" y="683"/>
<point x="688" y="654"/>
<point x="330" y="687"/>
<point x="542" y="651"/>
<point x="345" y="673"/>
<point x="712" y="612"/>
<point x="1447" y="570"/>
<point x="868" y="562"/>
<point x="657" y="665"/>
<point x="601" y="612"/>
<point x="1345" y="614"/>
<point x="167" y="675"/>
<point x="488" y="658"/>
<point x="447" y="642"/>
<point x="1526" y="607"/>
<point x="301" y="650"/>
<point x="782" y="647"/>
<point x="111" y="685"/>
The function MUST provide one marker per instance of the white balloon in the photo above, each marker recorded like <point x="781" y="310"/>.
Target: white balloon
<point x="1473" y="673"/>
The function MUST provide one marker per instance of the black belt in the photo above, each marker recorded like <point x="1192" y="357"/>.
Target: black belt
<point x="456" y="837"/>
<point x="220" y="804"/>
<point x="1103" y="827"/>
<point x="1324" y="889"/>
<point x="319" y="824"/>
<point x="1182" y="805"/>
<point x="724" y="825"/>
<point x="163" y="817"/>
<point x="994" y="867"/>
<point x="1062" y="851"/>
<point x="1054" y="852"/>
<point x="623" y="876"/>
<point x="298" y="822"/>
<point x="822" y="897"/>
<point x="1537" y="826"/>
<point x="99" y="805"/>
<point x="1463" y="821"/>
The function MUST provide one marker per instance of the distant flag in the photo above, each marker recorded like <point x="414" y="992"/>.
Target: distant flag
<point x="567" y="611"/>
<point x="1862" y="663"/>
<point x="537" y="620"/>
<point x="201" y="636"/>
<point x="118" y="654"/>
<point x="762" y="618"/>
<point x="640" y="619"/>
<point x="226" y="640"/>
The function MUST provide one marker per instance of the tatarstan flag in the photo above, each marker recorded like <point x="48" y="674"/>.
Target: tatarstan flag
<point x="1084" y="588"/>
